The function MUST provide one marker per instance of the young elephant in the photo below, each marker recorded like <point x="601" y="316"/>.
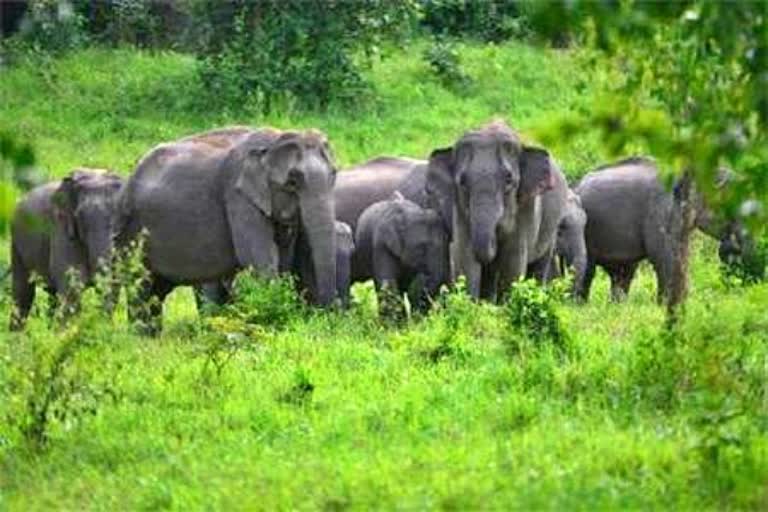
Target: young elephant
<point x="299" y="264"/>
<point x="303" y="268"/>
<point x="570" y="247"/>
<point x="404" y="247"/>
<point x="59" y="227"/>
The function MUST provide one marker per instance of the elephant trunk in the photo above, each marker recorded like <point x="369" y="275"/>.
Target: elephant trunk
<point x="318" y="217"/>
<point x="100" y="259"/>
<point x="484" y="217"/>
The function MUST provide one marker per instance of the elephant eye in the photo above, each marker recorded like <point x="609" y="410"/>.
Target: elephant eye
<point x="463" y="179"/>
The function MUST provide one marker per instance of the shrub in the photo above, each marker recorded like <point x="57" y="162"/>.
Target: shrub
<point x="49" y="27"/>
<point x="270" y="302"/>
<point x="308" y="52"/>
<point x="443" y="58"/>
<point x="530" y="311"/>
<point x="750" y="266"/>
<point x="487" y="20"/>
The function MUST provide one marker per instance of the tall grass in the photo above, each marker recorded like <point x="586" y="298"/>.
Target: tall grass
<point x="459" y="410"/>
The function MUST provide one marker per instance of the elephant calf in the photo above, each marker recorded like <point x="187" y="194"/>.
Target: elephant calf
<point x="404" y="247"/>
<point x="570" y="247"/>
<point x="59" y="227"/>
<point x="303" y="268"/>
<point x="300" y="265"/>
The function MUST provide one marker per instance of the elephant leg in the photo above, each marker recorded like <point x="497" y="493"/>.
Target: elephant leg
<point x="663" y="277"/>
<point x="146" y="309"/>
<point x="489" y="282"/>
<point x="23" y="296"/>
<point x="253" y="237"/>
<point x="215" y="293"/>
<point x="389" y="285"/>
<point x="512" y="262"/>
<point x="621" y="278"/>
<point x="53" y="302"/>
<point x="584" y="285"/>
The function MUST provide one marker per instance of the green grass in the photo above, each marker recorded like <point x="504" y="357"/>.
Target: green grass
<point x="439" y="414"/>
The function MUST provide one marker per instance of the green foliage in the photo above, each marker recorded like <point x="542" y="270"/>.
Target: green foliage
<point x="333" y="409"/>
<point x="693" y="99"/>
<point x="270" y="302"/>
<point x="487" y="20"/>
<point x="530" y="311"/>
<point x="310" y="53"/>
<point x="51" y="383"/>
<point x="50" y="27"/>
<point x="16" y="159"/>
<point x="443" y="58"/>
<point x="751" y="265"/>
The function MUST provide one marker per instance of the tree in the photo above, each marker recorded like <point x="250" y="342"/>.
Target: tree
<point x="689" y="84"/>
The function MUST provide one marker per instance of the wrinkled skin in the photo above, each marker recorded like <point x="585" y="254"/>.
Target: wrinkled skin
<point x="403" y="247"/>
<point x="504" y="201"/>
<point x="61" y="227"/>
<point x="375" y="180"/>
<point x="570" y="247"/>
<point x="230" y="199"/>
<point x="628" y="211"/>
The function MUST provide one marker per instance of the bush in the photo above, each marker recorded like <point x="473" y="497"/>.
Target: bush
<point x="487" y="20"/>
<point x="49" y="27"/>
<point x="270" y="302"/>
<point x="308" y="52"/>
<point x="443" y="58"/>
<point x="750" y="266"/>
<point x="530" y="311"/>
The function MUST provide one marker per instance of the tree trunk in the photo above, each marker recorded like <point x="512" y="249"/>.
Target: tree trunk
<point x="682" y="222"/>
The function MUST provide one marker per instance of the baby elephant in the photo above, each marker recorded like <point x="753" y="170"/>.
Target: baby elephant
<point x="297" y="261"/>
<point x="571" y="248"/>
<point x="61" y="227"/>
<point x="302" y="264"/>
<point x="404" y="247"/>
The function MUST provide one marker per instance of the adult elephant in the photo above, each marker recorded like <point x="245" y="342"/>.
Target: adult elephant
<point x="229" y="199"/>
<point x="58" y="228"/>
<point x="504" y="201"/>
<point x="628" y="214"/>
<point x="375" y="180"/>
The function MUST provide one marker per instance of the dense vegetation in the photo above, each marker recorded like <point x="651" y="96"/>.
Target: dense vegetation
<point x="463" y="409"/>
<point x="537" y="403"/>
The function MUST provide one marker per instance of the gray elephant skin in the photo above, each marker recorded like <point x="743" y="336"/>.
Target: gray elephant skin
<point x="60" y="227"/>
<point x="404" y="247"/>
<point x="628" y="211"/>
<point x="301" y="266"/>
<point x="230" y="199"/>
<point x="505" y="200"/>
<point x="360" y="186"/>
<point x="570" y="247"/>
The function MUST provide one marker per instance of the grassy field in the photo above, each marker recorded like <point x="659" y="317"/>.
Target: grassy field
<point x="334" y="411"/>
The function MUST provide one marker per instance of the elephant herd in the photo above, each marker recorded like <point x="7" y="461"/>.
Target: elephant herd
<point x="489" y="207"/>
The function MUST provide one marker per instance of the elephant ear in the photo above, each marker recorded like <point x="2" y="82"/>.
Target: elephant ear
<point x="439" y="184"/>
<point x="393" y="230"/>
<point x="253" y="179"/>
<point x="65" y="200"/>
<point x="345" y="240"/>
<point x="536" y="174"/>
